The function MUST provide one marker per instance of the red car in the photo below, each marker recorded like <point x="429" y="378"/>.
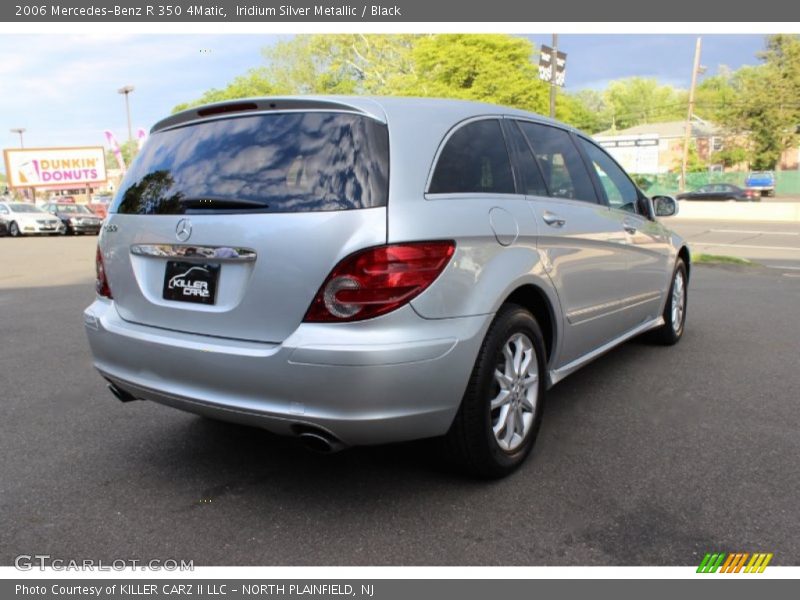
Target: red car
<point x="99" y="204"/>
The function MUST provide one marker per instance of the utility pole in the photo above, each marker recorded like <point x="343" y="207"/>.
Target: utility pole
<point x="126" y="90"/>
<point x="19" y="131"/>
<point x="690" y="114"/>
<point x="553" y="87"/>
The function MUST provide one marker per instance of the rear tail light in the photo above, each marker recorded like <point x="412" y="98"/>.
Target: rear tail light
<point x="101" y="284"/>
<point x="378" y="280"/>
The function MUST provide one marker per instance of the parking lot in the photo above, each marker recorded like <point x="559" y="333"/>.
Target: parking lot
<point x="772" y="244"/>
<point x="649" y="455"/>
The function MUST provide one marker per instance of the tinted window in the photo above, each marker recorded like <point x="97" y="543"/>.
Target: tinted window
<point x="530" y="177"/>
<point x="474" y="159"/>
<point x="281" y="162"/>
<point x="619" y="189"/>
<point x="561" y="164"/>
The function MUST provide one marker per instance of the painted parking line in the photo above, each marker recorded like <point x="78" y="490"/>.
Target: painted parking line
<point x="753" y="232"/>
<point x="717" y="245"/>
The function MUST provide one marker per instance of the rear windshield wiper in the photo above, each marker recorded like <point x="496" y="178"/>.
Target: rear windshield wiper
<point x="221" y="203"/>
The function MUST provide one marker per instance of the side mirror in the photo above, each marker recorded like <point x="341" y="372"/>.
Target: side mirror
<point x="665" y="206"/>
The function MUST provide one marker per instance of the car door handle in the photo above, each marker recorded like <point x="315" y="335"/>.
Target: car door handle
<point x="629" y="227"/>
<point x="553" y="220"/>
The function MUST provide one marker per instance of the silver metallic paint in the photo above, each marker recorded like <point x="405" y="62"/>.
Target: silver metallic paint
<point x="250" y="359"/>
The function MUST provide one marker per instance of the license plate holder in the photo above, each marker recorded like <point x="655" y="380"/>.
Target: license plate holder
<point x="191" y="282"/>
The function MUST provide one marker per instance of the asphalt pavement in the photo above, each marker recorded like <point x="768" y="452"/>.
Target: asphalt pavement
<point x="648" y="456"/>
<point x="772" y="244"/>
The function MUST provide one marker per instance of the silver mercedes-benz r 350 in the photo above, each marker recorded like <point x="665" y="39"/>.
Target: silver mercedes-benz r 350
<point x="367" y="270"/>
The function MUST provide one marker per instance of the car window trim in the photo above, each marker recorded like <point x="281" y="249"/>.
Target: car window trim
<point x="598" y="186"/>
<point x="499" y="196"/>
<point x="514" y="122"/>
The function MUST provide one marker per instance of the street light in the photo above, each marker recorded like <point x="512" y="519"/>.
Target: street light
<point x="20" y="131"/>
<point x="126" y="90"/>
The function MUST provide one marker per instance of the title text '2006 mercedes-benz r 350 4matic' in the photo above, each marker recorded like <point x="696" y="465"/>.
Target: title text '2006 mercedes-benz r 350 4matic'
<point x="368" y="270"/>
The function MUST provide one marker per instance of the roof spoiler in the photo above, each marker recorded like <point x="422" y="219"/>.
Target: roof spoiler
<point x="259" y="105"/>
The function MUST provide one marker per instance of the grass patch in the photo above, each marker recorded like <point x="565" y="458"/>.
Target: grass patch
<point x="717" y="259"/>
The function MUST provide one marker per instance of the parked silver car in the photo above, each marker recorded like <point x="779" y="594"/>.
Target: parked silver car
<point x="359" y="271"/>
<point x="24" y="218"/>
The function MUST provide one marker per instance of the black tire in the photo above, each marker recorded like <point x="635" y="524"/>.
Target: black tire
<point x="670" y="332"/>
<point x="13" y="229"/>
<point x="471" y="442"/>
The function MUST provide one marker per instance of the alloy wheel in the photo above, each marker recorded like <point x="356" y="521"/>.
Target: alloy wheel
<point x="516" y="391"/>
<point x="678" y="301"/>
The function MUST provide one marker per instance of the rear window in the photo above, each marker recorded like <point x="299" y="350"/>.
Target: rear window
<point x="279" y="162"/>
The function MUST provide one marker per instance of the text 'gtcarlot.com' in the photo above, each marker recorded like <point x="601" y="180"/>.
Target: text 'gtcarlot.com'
<point x="28" y="562"/>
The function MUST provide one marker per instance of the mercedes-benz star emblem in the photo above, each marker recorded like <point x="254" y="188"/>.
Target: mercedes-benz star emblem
<point x="183" y="231"/>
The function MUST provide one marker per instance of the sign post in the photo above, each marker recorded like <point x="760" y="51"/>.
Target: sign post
<point x="553" y="69"/>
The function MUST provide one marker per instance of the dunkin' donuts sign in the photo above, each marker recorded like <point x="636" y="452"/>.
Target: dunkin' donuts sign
<point x="43" y="167"/>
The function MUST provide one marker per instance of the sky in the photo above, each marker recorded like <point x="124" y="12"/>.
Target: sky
<point x="63" y="89"/>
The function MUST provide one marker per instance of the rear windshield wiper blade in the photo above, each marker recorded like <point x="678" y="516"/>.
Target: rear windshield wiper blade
<point x="221" y="203"/>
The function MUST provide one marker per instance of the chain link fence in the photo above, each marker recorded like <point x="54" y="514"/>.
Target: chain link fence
<point x="787" y="183"/>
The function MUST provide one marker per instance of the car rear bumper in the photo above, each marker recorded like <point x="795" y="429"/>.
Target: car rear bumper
<point x="394" y="378"/>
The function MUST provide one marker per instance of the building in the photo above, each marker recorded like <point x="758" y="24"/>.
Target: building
<point x="656" y="148"/>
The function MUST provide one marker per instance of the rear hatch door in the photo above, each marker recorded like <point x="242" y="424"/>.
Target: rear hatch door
<point x="228" y="226"/>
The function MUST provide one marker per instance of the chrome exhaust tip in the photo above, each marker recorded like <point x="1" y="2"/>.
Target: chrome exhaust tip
<point x="318" y="440"/>
<point x="121" y="395"/>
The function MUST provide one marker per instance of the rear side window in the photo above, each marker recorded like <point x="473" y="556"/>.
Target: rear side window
<point x="474" y="160"/>
<point x="279" y="162"/>
<point x="562" y="166"/>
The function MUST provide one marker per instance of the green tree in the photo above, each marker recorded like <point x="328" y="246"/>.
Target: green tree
<point x="694" y="164"/>
<point x="589" y="111"/>
<point x="716" y="95"/>
<point x="499" y="69"/>
<point x="489" y="68"/>
<point x="767" y="102"/>
<point x="340" y="64"/>
<point x="730" y="156"/>
<point x="253" y="83"/>
<point x="128" y="149"/>
<point x="640" y="100"/>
